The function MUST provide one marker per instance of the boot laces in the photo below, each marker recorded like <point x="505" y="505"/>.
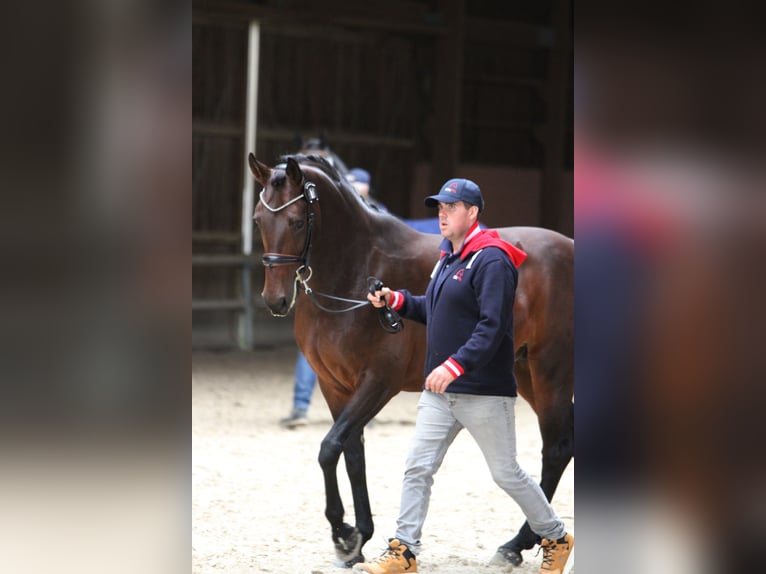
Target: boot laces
<point x="390" y="553"/>
<point x="548" y="554"/>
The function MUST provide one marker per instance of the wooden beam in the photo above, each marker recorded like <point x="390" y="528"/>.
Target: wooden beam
<point x="514" y="82"/>
<point x="404" y="17"/>
<point x="216" y="129"/>
<point x="280" y="134"/>
<point x="509" y="32"/>
<point x="228" y="237"/>
<point x="226" y="304"/>
<point x="225" y="259"/>
<point x="447" y="95"/>
<point x="218" y="304"/>
<point x="511" y="126"/>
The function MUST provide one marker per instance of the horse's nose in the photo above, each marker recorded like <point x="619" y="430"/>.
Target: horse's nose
<point x="278" y="307"/>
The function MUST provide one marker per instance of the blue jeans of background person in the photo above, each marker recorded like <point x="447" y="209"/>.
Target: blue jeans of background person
<point x="305" y="381"/>
<point x="492" y="423"/>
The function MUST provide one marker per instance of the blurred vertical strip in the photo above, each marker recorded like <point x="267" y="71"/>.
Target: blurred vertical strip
<point x="670" y="213"/>
<point x="95" y="174"/>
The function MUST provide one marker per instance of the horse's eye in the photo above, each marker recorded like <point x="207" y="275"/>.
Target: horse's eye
<point x="298" y="224"/>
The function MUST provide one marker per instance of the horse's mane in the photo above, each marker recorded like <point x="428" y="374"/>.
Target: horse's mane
<point x="315" y="161"/>
<point x="329" y="170"/>
<point x="317" y="146"/>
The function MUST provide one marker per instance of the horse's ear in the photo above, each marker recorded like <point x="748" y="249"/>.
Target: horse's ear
<point x="294" y="173"/>
<point x="261" y="171"/>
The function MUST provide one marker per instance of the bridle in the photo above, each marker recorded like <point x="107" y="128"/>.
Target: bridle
<point x="304" y="272"/>
<point x="387" y="317"/>
<point x="311" y="197"/>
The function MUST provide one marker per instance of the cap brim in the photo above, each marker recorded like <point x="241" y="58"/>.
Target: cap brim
<point x="433" y="200"/>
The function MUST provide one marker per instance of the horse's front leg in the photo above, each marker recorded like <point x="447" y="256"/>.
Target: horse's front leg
<point x="357" y="476"/>
<point x="346" y="436"/>
<point x="347" y="540"/>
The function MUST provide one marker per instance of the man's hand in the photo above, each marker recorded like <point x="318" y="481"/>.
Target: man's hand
<point x="439" y="379"/>
<point x="381" y="298"/>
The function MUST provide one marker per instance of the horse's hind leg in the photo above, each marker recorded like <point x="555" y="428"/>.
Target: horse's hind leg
<point x="555" y="411"/>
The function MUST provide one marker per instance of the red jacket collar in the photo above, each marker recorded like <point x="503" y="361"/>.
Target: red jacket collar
<point x="478" y="238"/>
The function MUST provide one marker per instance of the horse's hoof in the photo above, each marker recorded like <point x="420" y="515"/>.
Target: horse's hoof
<point x="348" y="547"/>
<point x="338" y="563"/>
<point x="505" y="557"/>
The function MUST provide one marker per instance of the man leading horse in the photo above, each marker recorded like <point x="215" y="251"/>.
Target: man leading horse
<point x="469" y="382"/>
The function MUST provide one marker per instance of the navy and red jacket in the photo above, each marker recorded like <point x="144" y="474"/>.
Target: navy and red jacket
<point x="468" y="313"/>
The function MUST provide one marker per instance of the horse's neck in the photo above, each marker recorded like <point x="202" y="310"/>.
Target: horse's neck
<point x="343" y="242"/>
<point x="353" y="237"/>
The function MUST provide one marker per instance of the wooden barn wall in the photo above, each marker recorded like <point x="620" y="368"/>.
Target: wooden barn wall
<point x="502" y="105"/>
<point x="218" y="114"/>
<point x="359" y="89"/>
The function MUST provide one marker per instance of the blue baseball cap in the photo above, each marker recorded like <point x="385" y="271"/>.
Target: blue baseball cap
<point x="360" y="175"/>
<point x="457" y="190"/>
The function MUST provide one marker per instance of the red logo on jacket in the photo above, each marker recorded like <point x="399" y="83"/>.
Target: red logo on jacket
<point x="459" y="275"/>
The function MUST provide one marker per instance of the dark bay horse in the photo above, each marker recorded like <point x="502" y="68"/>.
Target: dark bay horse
<point x="320" y="238"/>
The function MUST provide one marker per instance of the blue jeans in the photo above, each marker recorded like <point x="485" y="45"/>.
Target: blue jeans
<point x="492" y="423"/>
<point x="305" y="381"/>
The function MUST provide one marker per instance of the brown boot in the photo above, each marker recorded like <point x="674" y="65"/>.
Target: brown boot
<point x="555" y="554"/>
<point x="397" y="559"/>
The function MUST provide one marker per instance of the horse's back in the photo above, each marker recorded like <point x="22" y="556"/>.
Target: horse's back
<point x="549" y="253"/>
<point x="537" y="241"/>
<point x="544" y="307"/>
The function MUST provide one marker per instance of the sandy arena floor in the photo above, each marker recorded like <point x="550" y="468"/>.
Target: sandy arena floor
<point x="258" y="495"/>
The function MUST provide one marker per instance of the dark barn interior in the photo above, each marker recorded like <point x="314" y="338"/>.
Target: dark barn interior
<point x="415" y="92"/>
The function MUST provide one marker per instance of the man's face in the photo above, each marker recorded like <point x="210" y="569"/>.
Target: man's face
<point x="455" y="219"/>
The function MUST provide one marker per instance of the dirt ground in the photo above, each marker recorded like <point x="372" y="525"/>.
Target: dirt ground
<point x="258" y="494"/>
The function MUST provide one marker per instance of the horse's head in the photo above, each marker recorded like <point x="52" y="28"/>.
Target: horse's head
<point x="284" y="216"/>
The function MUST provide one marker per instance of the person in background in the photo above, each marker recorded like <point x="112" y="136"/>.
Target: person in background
<point x="303" y="388"/>
<point x="360" y="179"/>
